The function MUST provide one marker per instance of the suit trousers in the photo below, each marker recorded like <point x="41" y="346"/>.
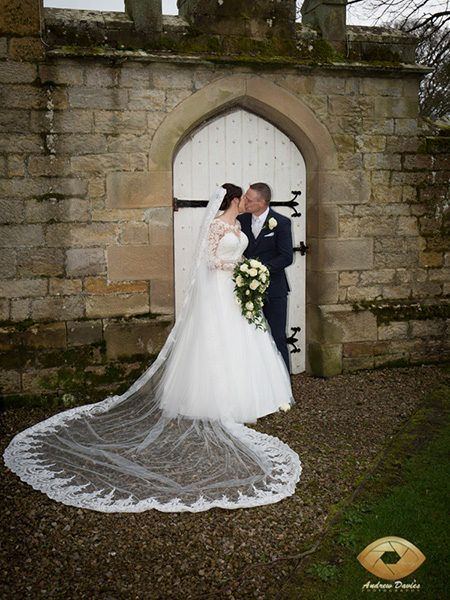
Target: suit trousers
<point x="275" y="311"/>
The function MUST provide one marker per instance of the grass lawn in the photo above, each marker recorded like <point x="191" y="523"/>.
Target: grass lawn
<point x="407" y="496"/>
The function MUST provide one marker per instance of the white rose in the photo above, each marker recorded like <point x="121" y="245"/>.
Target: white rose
<point x="238" y="302"/>
<point x="272" y="223"/>
<point x="249" y="306"/>
<point x="239" y="281"/>
<point x="254" y="263"/>
<point x="263" y="277"/>
<point x="253" y="272"/>
<point x="244" y="268"/>
<point x="249" y="315"/>
<point x="285" y="407"/>
<point x="254" y="284"/>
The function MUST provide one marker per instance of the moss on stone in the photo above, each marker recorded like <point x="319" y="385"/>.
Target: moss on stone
<point x="404" y="310"/>
<point x="435" y="145"/>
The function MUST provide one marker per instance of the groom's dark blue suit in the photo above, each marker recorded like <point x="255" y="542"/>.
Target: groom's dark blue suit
<point x="273" y="247"/>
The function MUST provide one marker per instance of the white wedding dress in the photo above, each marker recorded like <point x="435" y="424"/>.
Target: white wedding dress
<point x="175" y="441"/>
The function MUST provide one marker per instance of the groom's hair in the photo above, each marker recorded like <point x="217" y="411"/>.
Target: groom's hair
<point x="263" y="190"/>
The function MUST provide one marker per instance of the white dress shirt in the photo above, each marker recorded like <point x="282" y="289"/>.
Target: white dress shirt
<point x="258" y="222"/>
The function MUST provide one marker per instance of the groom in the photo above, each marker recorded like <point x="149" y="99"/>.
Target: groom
<point x="270" y="240"/>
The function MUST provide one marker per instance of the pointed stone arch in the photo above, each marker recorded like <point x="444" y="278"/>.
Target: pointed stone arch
<point x="153" y="189"/>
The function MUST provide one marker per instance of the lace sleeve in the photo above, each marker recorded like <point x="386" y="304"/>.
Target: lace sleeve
<point x="216" y="233"/>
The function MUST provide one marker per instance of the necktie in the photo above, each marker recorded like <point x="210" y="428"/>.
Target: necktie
<point x="256" y="227"/>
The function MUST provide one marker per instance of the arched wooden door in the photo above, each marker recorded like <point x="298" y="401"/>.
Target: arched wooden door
<point x="242" y="148"/>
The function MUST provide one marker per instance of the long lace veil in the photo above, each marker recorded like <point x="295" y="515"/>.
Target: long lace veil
<point x="128" y="454"/>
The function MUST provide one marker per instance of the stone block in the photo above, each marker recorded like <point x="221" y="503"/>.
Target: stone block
<point x="80" y="144"/>
<point x="40" y="261"/>
<point x="139" y="337"/>
<point x="396" y="330"/>
<point x="42" y="211"/>
<point x="345" y="254"/>
<point x="379" y="161"/>
<point x="65" y="287"/>
<point x="40" y="335"/>
<point x="100" y="286"/>
<point x="44" y="380"/>
<point x="23" y="288"/>
<point x="101" y="77"/>
<point x="324" y="360"/>
<point x="428" y="328"/>
<point x="117" y="306"/>
<point x="402" y="143"/>
<point x="349" y="278"/>
<point x="133" y="144"/>
<point x="357" y="364"/>
<point x="407" y="226"/>
<point x="322" y="288"/>
<point x="10" y="382"/>
<point x="329" y="85"/>
<point x="133" y="233"/>
<point x="19" y="236"/>
<point x="175" y="97"/>
<point x="378" y="126"/>
<point x="405" y="108"/>
<point x="357" y="349"/>
<point x="134" y="76"/>
<point x="16" y="72"/>
<point x="3" y="47"/>
<point x="101" y="98"/>
<point x="56" y="308"/>
<point x="370" y="143"/>
<point x="366" y="293"/>
<point x="92" y="234"/>
<point x="345" y="188"/>
<point x="62" y="74"/>
<point x="85" y="261"/>
<point x="351" y="106"/>
<point x="349" y="227"/>
<point x="100" y="163"/>
<point x="7" y="262"/>
<point x="26" y="49"/>
<point x="4" y="309"/>
<point x="164" y="78"/>
<point x="146" y="100"/>
<point x="66" y="121"/>
<point x="381" y="86"/>
<point x="341" y="324"/>
<point x="162" y="297"/>
<point x="377" y="226"/>
<point x="428" y="289"/>
<point x="431" y="259"/>
<point x="406" y="126"/>
<point x="84" y="333"/>
<point x="20" y="309"/>
<point x="139" y="190"/>
<point x="133" y="263"/>
<point x="350" y="162"/>
<point x="344" y="142"/>
<point x="19" y="18"/>
<point x="299" y="85"/>
<point x="396" y="292"/>
<point x="160" y="225"/>
<point x="16" y="166"/>
<point x="376" y="277"/>
<point x="11" y="211"/>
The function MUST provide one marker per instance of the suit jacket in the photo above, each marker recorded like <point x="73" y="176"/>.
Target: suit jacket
<point x="273" y="247"/>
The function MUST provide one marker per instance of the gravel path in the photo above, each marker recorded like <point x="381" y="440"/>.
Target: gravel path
<point x="338" y="426"/>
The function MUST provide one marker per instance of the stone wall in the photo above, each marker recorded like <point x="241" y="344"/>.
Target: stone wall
<point x="88" y="138"/>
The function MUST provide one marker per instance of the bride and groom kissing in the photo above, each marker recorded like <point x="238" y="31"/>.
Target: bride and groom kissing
<point x="176" y="440"/>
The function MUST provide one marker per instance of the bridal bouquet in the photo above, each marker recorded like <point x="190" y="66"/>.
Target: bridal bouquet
<point x="252" y="279"/>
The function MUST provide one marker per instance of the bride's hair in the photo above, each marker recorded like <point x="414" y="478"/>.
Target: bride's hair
<point x="233" y="191"/>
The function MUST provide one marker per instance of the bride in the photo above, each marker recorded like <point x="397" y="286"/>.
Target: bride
<point x="176" y="440"/>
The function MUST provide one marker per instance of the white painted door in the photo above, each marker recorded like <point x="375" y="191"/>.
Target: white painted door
<point x="242" y="148"/>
